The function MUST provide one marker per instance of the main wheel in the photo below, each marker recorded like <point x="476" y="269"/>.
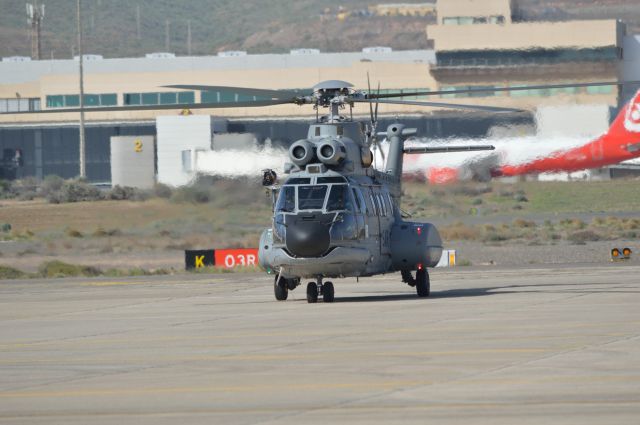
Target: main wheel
<point x="423" y="285"/>
<point x="312" y="292"/>
<point x="327" y="292"/>
<point x="280" y="289"/>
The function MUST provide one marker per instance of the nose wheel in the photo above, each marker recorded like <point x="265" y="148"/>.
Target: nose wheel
<point x="315" y="289"/>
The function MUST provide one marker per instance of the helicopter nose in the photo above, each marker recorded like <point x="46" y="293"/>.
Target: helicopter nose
<point x="307" y="237"/>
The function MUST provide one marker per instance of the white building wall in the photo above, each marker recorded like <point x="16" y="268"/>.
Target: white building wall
<point x="179" y="138"/>
<point x="133" y="161"/>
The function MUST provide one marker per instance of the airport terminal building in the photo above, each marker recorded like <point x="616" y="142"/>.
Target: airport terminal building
<point x="476" y="44"/>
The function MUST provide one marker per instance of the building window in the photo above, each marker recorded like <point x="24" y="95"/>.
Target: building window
<point x="599" y="89"/>
<point x="55" y="101"/>
<point x="132" y="98"/>
<point x="73" y="100"/>
<point x="109" y="99"/>
<point x="19" y="105"/>
<point x="168" y="98"/>
<point x="186" y="97"/>
<point x="149" y="98"/>
<point x="159" y="98"/>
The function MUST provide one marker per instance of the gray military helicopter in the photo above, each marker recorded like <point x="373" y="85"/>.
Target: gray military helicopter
<point x="336" y="215"/>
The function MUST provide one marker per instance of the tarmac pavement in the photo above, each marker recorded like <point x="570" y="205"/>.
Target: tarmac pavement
<point x="527" y="345"/>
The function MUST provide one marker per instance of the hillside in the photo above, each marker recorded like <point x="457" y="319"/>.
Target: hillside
<point x="111" y="26"/>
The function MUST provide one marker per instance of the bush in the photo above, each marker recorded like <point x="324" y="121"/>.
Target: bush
<point x="7" y="272"/>
<point x="61" y="269"/>
<point x="5" y="189"/>
<point x="459" y="231"/>
<point x="194" y="194"/>
<point x="101" y="233"/>
<point x="524" y="224"/>
<point x="50" y="185"/>
<point x="162" y="191"/>
<point x="583" y="236"/>
<point x="25" y="189"/>
<point x="121" y="193"/>
<point x="73" y="233"/>
<point x="75" y="191"/>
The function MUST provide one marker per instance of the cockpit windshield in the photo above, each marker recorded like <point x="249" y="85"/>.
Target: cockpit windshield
<point x="339" y="199"/>
<point x="311" y="197"/>
<point x="286" y="200"/>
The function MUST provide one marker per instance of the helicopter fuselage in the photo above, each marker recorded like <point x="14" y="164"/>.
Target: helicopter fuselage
<point x="335" y="216"/>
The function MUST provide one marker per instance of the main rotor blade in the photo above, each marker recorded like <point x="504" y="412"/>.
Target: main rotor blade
<point x="370" y="104"/>
<point x="247" y="104"/>
<point x="375" y="114"/>
<point x="440" y="105"/>
<point x="274" y="94"/>
<point x="448" y="149"/>
<point x="495" y="89"/>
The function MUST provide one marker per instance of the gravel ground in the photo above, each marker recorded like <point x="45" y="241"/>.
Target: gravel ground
<point x="479" y="253"/>
<point x="468" y="253"/>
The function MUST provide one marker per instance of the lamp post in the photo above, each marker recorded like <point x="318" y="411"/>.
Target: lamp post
<point x="83" y="171"/>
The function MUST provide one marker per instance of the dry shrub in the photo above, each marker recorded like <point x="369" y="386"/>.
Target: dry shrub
<point x="459" y="231"/>
<point x="583" y="236"/>
<point x="524" y="224"/>
<point x="61" y="269"/>
<point x="573" y="223"/>
<point x="73" y="233"/>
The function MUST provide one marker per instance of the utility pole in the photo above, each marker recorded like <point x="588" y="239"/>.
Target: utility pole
<point x="83" y="170"/>
<point x="138" y="23"/>
<point x="189" y="38"/>
<point x="35" y="15"/>
<point x="167" y="30"/>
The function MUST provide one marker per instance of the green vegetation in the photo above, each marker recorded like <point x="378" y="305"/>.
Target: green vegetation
<point x="7" y="272"/>
<point x="492" y="199"/>
<point x="60" y="269"/>
<point x="575" y="231"/>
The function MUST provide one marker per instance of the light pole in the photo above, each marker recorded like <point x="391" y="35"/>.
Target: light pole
<point x="83" y="171"/>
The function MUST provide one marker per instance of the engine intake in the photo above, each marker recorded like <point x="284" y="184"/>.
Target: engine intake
<point x="301" y="152"/>
<point x="331" y="152"/>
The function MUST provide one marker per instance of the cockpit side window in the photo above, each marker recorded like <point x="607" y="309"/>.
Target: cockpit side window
<point x="287" y="199"/>
<point x="359" y="207"/>
<point x="339" y="198"/>
<point x="311" y="197"/>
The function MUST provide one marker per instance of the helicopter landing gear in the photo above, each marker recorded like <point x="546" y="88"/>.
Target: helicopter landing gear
<point x="407" y="278"/>
<point x="312" y="292"/>
<point x="280" y="288"/>
<point x="423" y="284"/>
<point x="328" y="292"/>
<point x="314" y="289"/>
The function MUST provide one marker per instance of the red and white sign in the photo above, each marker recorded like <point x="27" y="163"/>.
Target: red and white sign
<point x="230" y="258"/>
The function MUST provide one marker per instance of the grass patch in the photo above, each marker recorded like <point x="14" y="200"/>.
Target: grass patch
<point x="60" y="269"/>
<point x="7" y="272"/>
